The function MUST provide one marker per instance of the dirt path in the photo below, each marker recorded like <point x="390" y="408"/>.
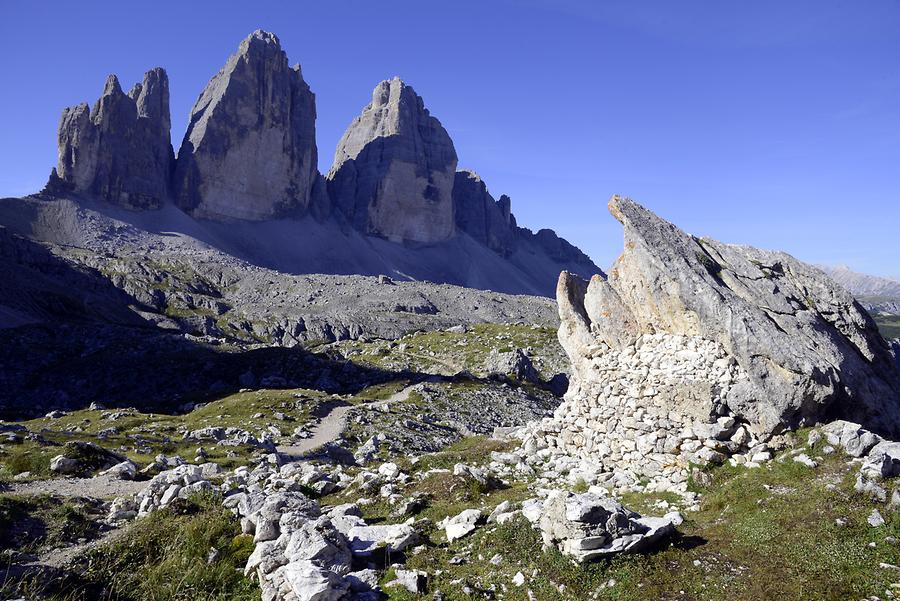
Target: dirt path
<point x="101" y="487"/>
<point x="333" y="424"/>
<point x="452" y="368"/>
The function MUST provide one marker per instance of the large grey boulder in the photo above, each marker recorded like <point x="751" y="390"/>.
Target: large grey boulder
<point x="120" y="151"/>
<point x="394" y="169"/>
<point x="250" y="149"/>
<point x="587" y="526"/>
<point x="810" y="352"/>
<point x="488" y="221"/>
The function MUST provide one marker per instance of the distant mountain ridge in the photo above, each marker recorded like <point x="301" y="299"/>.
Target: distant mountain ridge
<point x="249" y="155"/>
<point x="861" y="284"/>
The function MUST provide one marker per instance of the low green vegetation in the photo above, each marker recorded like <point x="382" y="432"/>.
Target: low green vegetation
<point x="379" y="392"/>
<point x="445" y="494"/>
<point x="450" y="352"/>
<point x="141" y="436"/>
<point x="29" y="523"/>
<point x="889" y="325"/>
<point x="473" y="450"/>
<point x="781" y="531"/>
<point x="191" y="552"/>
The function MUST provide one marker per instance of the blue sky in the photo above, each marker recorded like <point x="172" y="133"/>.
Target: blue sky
<point x="769" y="123"/>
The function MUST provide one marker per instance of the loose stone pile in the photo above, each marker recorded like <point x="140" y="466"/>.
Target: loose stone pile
<point x="181" y="482"/>
<point x="652" y="409"/>
<point x="304" y="552"/>
<point x="234" y="437"/>
<point x="301" y="553"/>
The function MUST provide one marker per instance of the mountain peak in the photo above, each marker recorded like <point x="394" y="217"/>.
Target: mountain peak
<point x="394" y="168"/>
<point x="250" y="150"/>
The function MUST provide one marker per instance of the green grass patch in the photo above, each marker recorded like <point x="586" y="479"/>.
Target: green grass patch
<point x="473" y="450"/>
<point x="165" y="556"/>
<point x="763" y="533"/>
<point x="29" y="523"/>
<point x="449" y="352"/>
<point x="888" y="325"/>
<point x="141" y="436"/>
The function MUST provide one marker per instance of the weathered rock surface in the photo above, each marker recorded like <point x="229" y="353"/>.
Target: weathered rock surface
<point x="654" y="407"/>
<point x="804" y="348"/>
<point x="120" y="151"/>
<point x="250" y="149"/>
<point x="246" y="177"/>
<point x="491" y="223"/>
<point x="460" y="525"/>
<point x="394" y="169"/>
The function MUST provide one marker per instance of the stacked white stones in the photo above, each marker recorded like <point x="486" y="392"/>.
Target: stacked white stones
<point x="651" y="408"/>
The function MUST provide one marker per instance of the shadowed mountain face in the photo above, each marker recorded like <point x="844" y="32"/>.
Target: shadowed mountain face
<point x="158" y="329"/>
<point x="487" y="220"/>
<point x="392" y="202"/>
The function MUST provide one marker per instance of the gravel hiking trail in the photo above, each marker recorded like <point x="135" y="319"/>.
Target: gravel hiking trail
<point x="333" y="423"/>
<point x="328" y="430"/>
<point x="100" y="487"/>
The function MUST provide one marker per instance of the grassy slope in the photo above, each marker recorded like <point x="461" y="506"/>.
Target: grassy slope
<point x="762" y="533"/>
<point x="164" y="556"/>
<point x="161" y="433"/>
<point x="29" y="523"/>
<point x="448" y="352"/>
<point x="766" y="533"/>
<point x="889" y="325"/>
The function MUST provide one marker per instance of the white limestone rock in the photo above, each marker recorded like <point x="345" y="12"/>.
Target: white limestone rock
<point x="461" y="524"/>
<point x="587" y="526"/>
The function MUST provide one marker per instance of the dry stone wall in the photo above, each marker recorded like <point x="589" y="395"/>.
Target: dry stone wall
<point x="653" y="407"/>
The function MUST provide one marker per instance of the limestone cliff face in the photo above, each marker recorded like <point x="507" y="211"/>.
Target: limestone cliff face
<point x="249" y="154"/>
<point x="119" y="152"/>
<point x="476" y="212"/>
<point x="807" y="348"/>
<point x="394" y="169"/>
<point x="250" y="149"/>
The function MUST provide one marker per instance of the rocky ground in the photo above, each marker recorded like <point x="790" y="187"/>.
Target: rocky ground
<point x="412" y="441"/>
<point x="473" y="520"/>
<point x="419" y="488"/>
<point x="191" y="323"/>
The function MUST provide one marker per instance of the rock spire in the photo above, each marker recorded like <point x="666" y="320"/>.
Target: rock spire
<point x="120" y="151"/>
<point x="394" y="169"/>
<point x="250" y="149"/>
